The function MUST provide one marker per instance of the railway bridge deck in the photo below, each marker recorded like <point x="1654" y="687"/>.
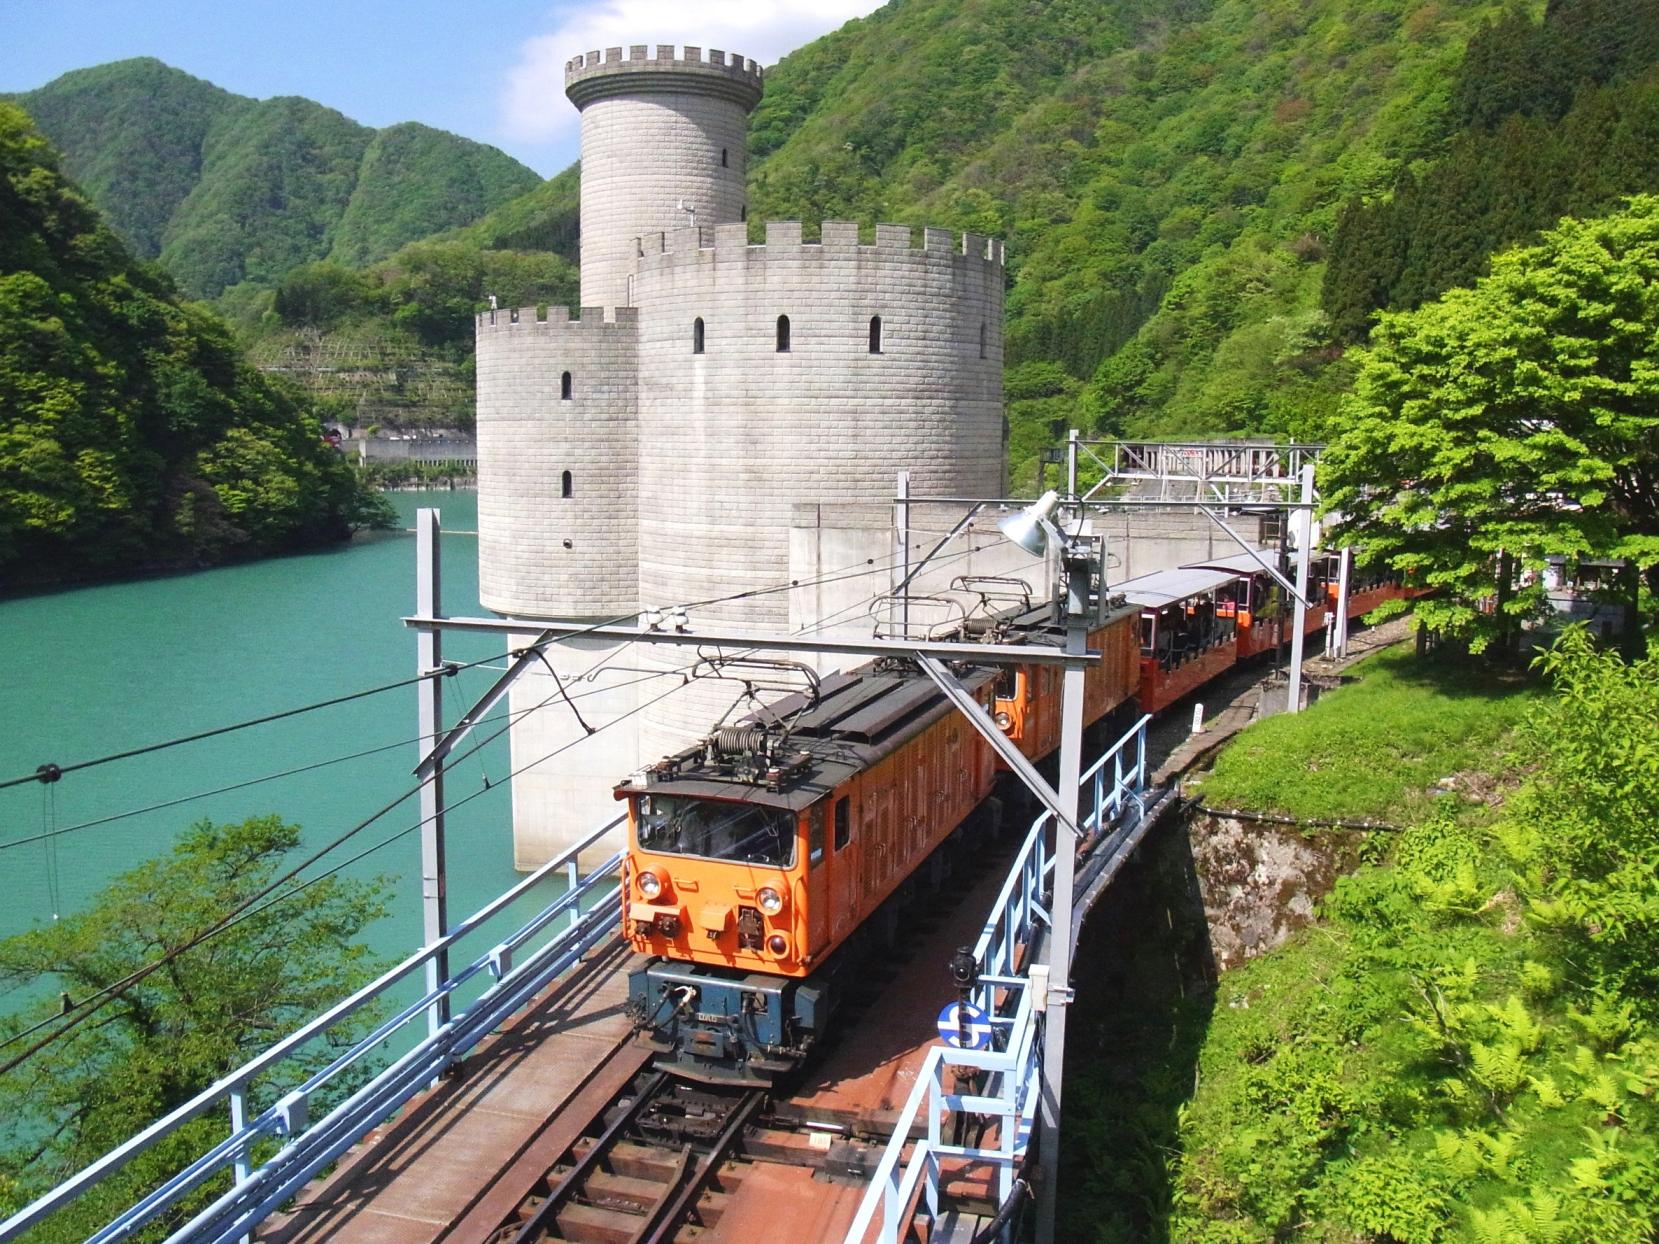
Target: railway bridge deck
<point x="461" y="1137"/>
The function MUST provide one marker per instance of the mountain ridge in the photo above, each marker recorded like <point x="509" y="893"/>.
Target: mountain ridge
<point x="222" y="188"/>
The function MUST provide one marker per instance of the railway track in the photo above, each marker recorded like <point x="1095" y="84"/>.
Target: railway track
<point x="643" y="1172"/>
<point x="662" y="1158"/>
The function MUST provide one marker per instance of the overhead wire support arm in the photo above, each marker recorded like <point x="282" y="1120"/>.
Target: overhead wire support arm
<point x="1278" y="575"/>
<point x="988" y="654"/>
<point x="958" y="695"/>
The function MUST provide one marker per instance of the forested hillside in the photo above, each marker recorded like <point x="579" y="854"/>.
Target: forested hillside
<point x="1206" y="201"/>
<point x="224" y="189"/>
<point x="133" y="433"/>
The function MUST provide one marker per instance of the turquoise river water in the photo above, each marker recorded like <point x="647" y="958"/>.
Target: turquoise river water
<point x="97" y="670"/>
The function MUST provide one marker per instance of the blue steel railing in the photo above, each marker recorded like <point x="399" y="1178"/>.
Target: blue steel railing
<point x="306" y="1147"/>
<point x="1114" y="787"/>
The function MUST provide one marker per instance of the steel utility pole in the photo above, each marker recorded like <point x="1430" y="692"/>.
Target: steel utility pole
<point x="1304" y="550"/>
<point x="429" y="657"/>
<point x="1344" y="576"/>
<point x="901" y="522"/>
<point x="1076" y="565"/>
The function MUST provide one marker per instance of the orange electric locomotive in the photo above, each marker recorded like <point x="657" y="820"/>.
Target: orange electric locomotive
<point x="766" y="860"/>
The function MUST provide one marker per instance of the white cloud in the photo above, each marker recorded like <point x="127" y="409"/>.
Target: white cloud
<point x="534" y="108"/>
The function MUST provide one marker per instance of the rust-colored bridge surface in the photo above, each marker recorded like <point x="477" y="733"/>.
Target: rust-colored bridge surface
<point x="462" y="1159"/>
<point x="439" y="1170"/>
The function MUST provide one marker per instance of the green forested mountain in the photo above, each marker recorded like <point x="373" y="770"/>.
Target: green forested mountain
<point x="133" y="433"/>
<point x="224" y="189"/>
<point x="1205" y="200"/>
<point x="1554" y="118"/>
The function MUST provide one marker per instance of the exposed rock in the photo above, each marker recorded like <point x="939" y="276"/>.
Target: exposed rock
<point x="1260" y="883"/>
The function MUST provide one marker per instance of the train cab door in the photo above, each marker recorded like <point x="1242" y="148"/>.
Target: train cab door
<point x="845" y="843"/>
<point x="818" y="872"/>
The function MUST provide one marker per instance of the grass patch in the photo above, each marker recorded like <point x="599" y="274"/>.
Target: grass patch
<point x="1376" y="747"/>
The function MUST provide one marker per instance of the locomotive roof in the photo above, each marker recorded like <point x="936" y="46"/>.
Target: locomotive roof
<point x="860" y="717"/>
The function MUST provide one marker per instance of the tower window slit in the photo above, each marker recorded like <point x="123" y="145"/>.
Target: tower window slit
<point x="565" y="485"/>
<point x="697" y="335"/>
<point x="564" y="387"/>
<point x="724" y="162"/>
<point x="875" y="334"/>
<point x="982" y="340"/>
<point x="783" y="334"/>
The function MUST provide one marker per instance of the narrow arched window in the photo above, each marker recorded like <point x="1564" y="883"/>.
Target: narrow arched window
<point x="697" y="335"/>
<point x="564" y="387"/>
<point x="783" y="334"/>
<point x="743" y="213"/>
<point x="982" y="341"/>
<point x="875" y="334"/>
<point x="724" y="163"/>
<point x="565" y="487"/>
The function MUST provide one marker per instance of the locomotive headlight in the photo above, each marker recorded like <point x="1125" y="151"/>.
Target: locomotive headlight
<point x="1002" y="719"/>
<point x="650" y="885"/>
<point x="777" y="944"/>
<point x="771" y="902"/>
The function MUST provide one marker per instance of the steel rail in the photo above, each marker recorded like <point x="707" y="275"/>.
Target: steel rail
<point x="663" y="1222"/>
<point x="541" y="1222"/>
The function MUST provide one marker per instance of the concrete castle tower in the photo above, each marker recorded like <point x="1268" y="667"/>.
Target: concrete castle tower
<point x="664" y="144"/>
<point x="685" y="435"/>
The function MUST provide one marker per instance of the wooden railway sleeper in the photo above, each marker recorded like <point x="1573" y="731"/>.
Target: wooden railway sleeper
<point x="663" y="1223"/>
<point x="540" y="1223"/>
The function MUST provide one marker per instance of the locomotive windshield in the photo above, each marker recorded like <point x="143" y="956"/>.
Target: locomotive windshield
<point x="739" y="833"/>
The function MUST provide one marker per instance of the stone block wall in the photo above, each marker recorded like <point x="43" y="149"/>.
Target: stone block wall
<point x="541" y="553"/>
<point x="656" y="132"/>
<point x="734" y="438"/>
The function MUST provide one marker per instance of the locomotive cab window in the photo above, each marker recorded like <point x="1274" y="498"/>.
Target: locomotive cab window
<point x="843" y="821"/>
<point x="815" y="836"/>
<point x="737" y="833"/>
<point x="1008" y="683"/>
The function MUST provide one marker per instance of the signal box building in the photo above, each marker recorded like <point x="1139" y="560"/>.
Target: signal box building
<point x="685" y="436"/>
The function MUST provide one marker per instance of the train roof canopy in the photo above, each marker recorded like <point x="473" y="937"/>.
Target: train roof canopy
<point x="1153" y="591"/>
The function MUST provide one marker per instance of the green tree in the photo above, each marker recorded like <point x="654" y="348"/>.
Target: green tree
<point x="1510" y="422"/>
<point x="129" y="420"/>
<point x="181" y="1028"/>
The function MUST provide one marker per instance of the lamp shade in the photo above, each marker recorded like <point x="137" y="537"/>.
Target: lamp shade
<point x="1029" y="528"/>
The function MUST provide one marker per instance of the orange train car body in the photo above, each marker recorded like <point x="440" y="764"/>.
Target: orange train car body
<point x="1027" y="699"/>
<point x="758" y="858"/>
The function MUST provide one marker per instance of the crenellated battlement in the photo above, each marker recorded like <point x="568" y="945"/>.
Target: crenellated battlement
<point x="786" y="238"/>
<point x="587" y="319"/>
<point x="608" y="73"/>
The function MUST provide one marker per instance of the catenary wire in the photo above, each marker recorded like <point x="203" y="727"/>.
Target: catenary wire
<point x="88" y="1007"/>
<point x="50" y="773"/>
<point x="286" y="773"/>
<point x="91" y="1005"/>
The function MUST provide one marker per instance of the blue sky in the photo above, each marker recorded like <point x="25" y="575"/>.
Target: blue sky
<point x="489" y="71"/>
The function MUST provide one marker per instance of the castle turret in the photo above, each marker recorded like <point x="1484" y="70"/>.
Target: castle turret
<point x="657" y="133"/>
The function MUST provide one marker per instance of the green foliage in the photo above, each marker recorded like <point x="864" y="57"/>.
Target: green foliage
<point x="429" y="291"/>
<point x="1165" y="173"/>
<point x="225" y="189"/>
<point x="181" y="1028"/>
<point x="1561" y="118"/>
<point x="1465" y="1049"/>
<point x="1519" y="417"/>
<point x="1375" y="749"/>
<point x="132" y="433"/>
<point x="1586" y="835"/>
